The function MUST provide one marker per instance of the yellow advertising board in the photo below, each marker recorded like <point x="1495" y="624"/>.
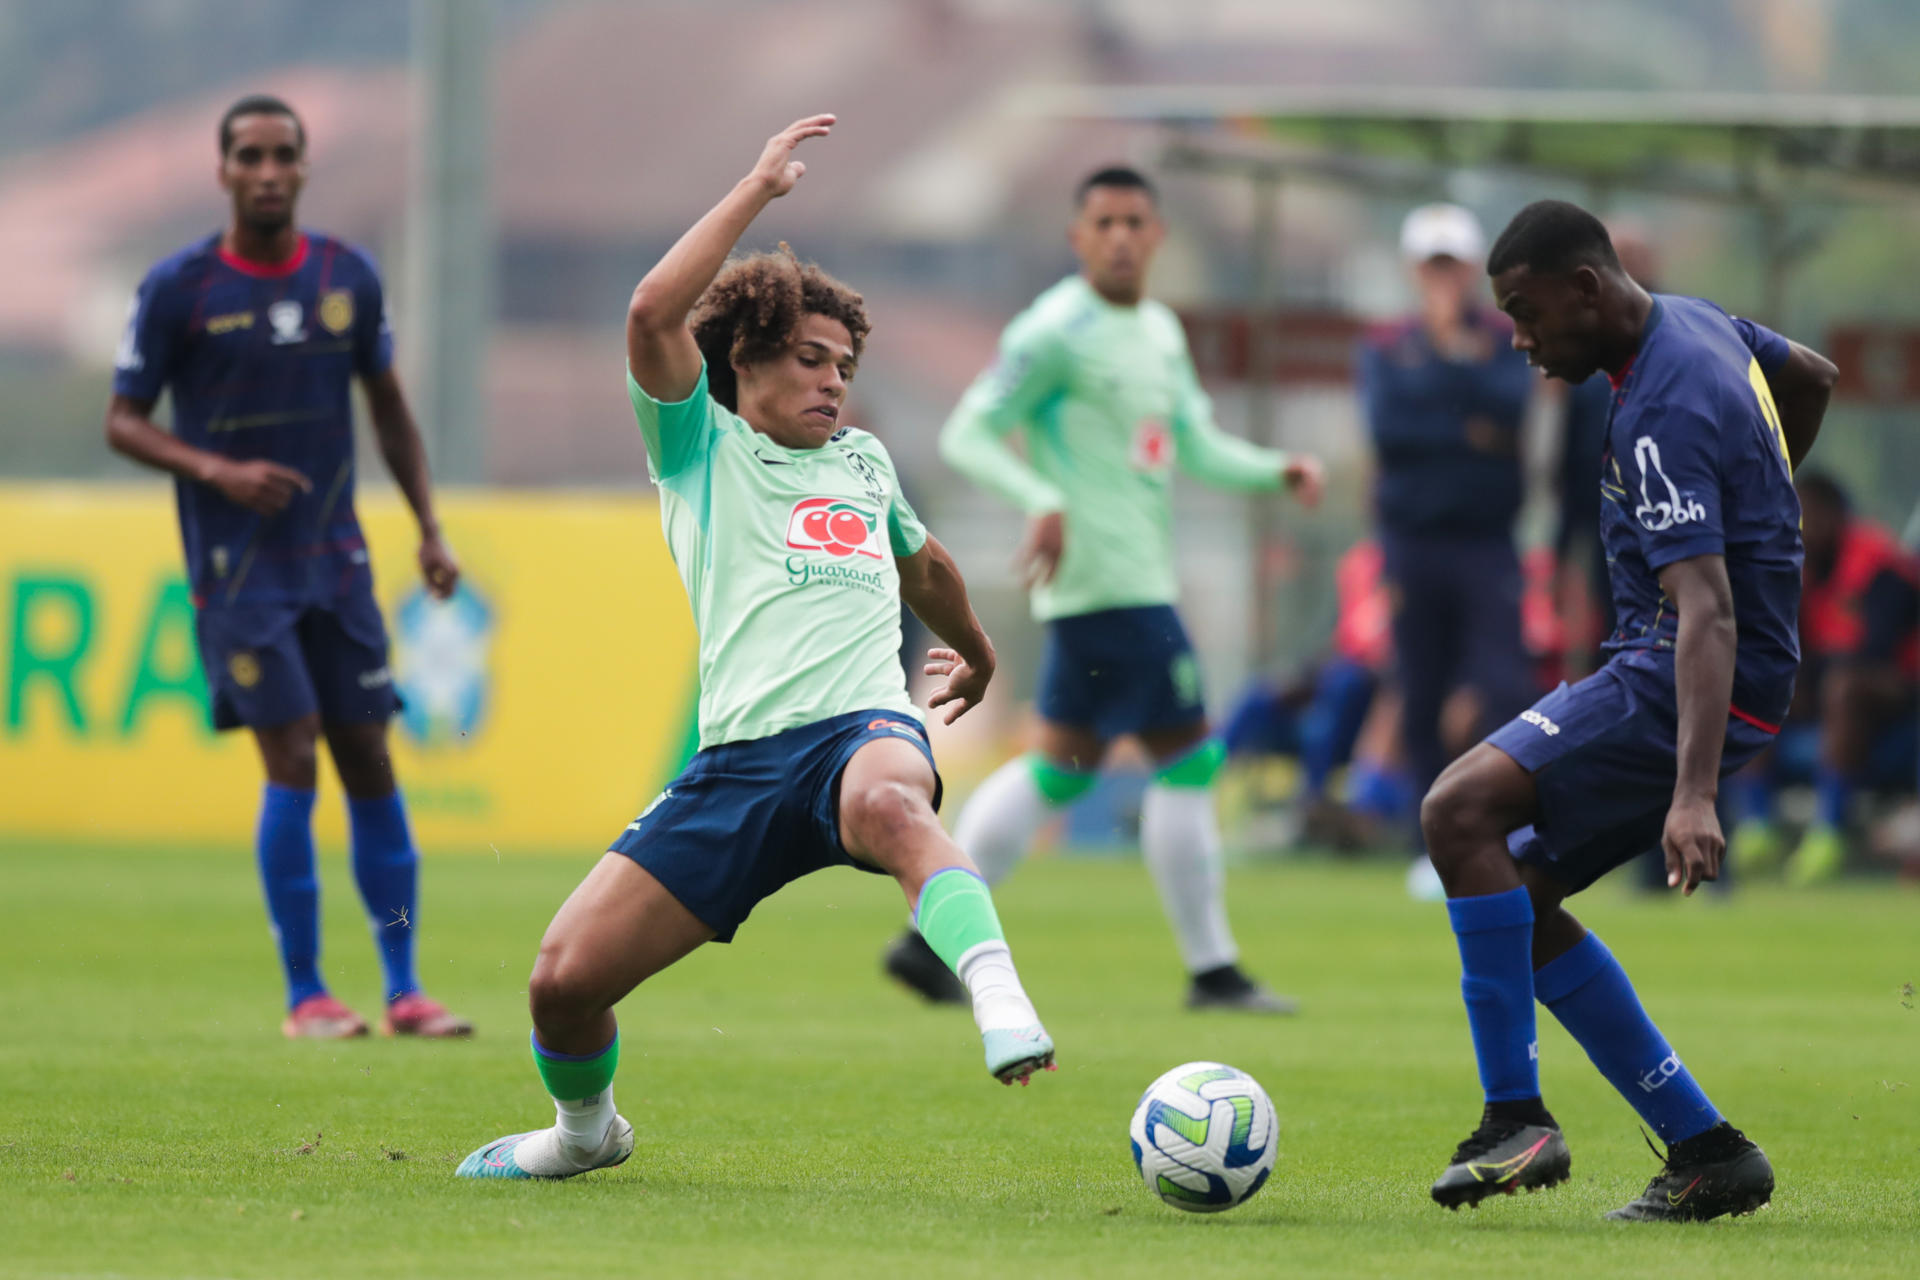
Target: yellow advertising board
<point x="547" y="702"/>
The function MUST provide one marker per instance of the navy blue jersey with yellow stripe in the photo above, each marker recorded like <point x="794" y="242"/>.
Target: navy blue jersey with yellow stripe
<point x="1696" y="464"/>
<point x="260" y="359"/>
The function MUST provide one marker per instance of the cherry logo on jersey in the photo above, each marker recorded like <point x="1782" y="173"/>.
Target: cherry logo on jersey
<point x="835" y="526"/>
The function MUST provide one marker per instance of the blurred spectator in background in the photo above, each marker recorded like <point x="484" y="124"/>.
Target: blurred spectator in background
<point x="1585" y="598"/>
<point x="1318" y="717"/>
<point x="1445" y="395"/>
<point x="1856" y="714"/>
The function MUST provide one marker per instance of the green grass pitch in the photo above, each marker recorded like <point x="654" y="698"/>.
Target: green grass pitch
<point x="796" y="1117"/>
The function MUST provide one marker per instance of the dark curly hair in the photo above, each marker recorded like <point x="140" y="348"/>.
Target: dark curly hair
<point x="751" y="309"/>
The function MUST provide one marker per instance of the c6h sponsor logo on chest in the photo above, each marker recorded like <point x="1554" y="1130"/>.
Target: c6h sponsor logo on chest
<point x="835" y="526"/>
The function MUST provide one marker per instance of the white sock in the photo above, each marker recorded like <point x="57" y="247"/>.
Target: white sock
<point x="999" y="1001"/>
<point x="581" y="1123"/>
<point x="997" y="826"/>
<point x="1181" y="839"/>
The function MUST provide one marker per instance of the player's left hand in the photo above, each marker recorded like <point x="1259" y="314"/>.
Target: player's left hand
<point x="1693" y="843"/>
<point x="1305" y="479"/>
<point x="438" y="568"/>
<point x="964" y="688"/>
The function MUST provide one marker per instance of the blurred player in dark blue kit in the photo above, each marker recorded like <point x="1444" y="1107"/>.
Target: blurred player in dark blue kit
<point x="258" y="331"/>
<point x="1445" y="397"/>
<point x="1702" y="527"/>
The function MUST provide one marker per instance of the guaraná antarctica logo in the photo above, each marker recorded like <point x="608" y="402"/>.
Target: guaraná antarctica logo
<point x="835" y="526"/>
<point x="440" y="657"/>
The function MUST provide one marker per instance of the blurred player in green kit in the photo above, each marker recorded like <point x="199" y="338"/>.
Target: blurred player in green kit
<point x="1096" y="380"/>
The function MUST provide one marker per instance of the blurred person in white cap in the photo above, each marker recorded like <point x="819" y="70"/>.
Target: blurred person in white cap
<point x="1445" y="396"/>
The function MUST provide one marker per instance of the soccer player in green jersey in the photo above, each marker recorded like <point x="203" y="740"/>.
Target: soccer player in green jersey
<point x="1096" y="380"/>
<point x="796" y="549"/>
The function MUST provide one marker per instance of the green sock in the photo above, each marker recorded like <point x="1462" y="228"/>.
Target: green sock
<point x="571" y="1076"/>
<point x="956" y="914"/>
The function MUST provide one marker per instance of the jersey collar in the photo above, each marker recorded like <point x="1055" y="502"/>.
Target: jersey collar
<point x="265" y="270"/>
<point x="1654" y="316"/>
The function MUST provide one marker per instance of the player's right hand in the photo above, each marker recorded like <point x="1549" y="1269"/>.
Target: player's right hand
<point x="259" y="485"/>
<point x="777" y="170"/>
<point x="1693" y="843"/>
<point x="1039" y="556"/>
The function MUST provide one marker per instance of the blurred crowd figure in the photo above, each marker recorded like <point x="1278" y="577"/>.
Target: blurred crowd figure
<point x="1855" y="722"/>
<point x="1444" y="629"/>
<point x="1445" y="397"/>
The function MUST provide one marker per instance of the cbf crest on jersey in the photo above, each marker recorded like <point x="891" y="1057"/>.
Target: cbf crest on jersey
<point x="288" y="321"/>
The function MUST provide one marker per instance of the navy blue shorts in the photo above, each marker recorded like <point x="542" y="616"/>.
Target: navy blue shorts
<point x="744" y="819"/>
<point x="1120" y="671"/>
<point x="268" y="664"/>
<point x="1601" y="753"/>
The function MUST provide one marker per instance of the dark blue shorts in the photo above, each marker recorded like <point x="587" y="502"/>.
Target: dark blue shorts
<point x="268" y="664"/>
<point x="1120" y="671"/>
<point x="1601" y="753"/>
<point x="745" y="818"/>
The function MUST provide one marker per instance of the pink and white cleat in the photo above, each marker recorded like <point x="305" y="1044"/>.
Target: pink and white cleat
<point x="322" y="1017"/>
<point x="415" y="1014"/>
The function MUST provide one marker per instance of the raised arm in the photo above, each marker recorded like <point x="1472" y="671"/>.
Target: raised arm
<point x="660" y="349"/>
<point x="406" y="459"/>
<point x="931" y="585"/>
<point x="1703" y="657"/>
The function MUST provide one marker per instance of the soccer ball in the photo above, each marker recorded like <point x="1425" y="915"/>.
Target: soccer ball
<point x="1204" y="1137"/>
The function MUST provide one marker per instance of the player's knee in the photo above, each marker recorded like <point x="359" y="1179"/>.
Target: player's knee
<point x="560" y="990"/>
<point x="879" y="814"/>
<point x="1453" y="817"/>
<point x="293" y="760"/>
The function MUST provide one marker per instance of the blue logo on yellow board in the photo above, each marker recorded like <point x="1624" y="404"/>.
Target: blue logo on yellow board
<point x="441" y="665"/>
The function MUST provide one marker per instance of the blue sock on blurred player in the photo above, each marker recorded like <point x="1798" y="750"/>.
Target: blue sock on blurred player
<point x="1495" y="933"/>
<point x="283" y="847"/>
<point x="1589" y="992"/>
<point x="386" y="868"/>
<point x="1832" y="790"/>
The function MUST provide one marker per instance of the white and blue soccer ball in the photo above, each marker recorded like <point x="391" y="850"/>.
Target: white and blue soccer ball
<point x="1205" y="1137"/>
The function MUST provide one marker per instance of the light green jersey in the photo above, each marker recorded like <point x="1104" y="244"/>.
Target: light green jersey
<point x="1108" y="404"/>
<point x="787" y="557"/>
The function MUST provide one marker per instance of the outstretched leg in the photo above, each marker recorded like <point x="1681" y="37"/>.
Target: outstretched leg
<point x="887" y="821"/>
<point x="619" y="928"/>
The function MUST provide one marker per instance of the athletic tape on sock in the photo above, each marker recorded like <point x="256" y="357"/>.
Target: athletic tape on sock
<point x="1060" y="786"/>
<point x="569" y="1076"/>
<point x="1197" y="768"/>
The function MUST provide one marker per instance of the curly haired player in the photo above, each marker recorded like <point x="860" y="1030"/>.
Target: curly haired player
<point x="796" y="549"/>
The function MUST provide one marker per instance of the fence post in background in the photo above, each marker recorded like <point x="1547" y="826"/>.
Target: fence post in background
<point x="450" y="241"/>
<point x="1262" y="302"/>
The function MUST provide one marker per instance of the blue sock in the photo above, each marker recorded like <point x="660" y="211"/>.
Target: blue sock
<point x="1831" y="790"/>
<point x="1588" y="991"/>
<point x="386" y="868"/>
<point x="1379" y="792"/>
<point x="1495" y="933"/>
<point x="1750" y="796"/>
<point x="283" y="847"/>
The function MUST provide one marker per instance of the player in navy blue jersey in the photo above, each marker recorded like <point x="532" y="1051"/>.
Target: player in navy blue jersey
<point x="258" y="332"/>
<point x="1702" y="531"/>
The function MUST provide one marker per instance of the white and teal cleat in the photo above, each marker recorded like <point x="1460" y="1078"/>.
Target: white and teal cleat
<point x="1016" y="1053"/>
<point x="539" y="1155"/>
